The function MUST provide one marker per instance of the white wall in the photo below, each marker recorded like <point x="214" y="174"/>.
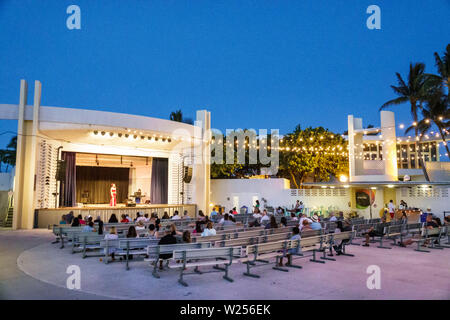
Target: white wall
<point x="277" y="193"/>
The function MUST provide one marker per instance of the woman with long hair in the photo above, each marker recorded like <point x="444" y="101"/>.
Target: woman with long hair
<point x="132" y="232"/>
<point x="113" y="219"/>
<point x="76" y="222"/>
<point x="273" y="223"/>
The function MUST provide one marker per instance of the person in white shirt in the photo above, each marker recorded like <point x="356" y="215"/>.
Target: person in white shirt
<point x="139" y="218"/>
<point x="265" y="218"/>
<point x="257" y="215"/>
<point x="209" y="230"/>
<point x="303" y="218"/>
<point x="391" y="209"/>
<point x="175" y="216"/>
<point x="332" y="217"/>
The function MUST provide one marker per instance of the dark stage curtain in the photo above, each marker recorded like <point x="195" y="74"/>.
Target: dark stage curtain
<point x="94" y="184"/>
<point x="160" y="181"/>
<point x="68" y="187"/>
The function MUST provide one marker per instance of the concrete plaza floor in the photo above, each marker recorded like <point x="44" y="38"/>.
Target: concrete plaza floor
<point x="33" y="268"/>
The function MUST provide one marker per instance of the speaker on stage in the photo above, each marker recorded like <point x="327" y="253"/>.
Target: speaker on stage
<point x="61" y="170"/>
<point x="187" y="174"/>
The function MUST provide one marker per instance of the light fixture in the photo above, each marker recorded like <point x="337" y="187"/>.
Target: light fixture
<point x="111" y="134"/>
<point x="95" y="132"/>
<point x="390" y="186"/>
<point x="346" y="186"/>
<point x="103" y="133"/>
<point x="373" y="188"/>
<point x="120" y="135"/>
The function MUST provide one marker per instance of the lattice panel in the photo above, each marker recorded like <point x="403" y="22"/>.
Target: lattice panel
<point x="175" y="178"/>
<point x="46" y="172"/>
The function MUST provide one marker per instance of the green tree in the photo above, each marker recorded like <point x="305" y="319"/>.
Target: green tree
<point x="313" y="151"/>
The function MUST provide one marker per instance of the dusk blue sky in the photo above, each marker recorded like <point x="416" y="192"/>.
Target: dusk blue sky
<point x="253" y="64"/>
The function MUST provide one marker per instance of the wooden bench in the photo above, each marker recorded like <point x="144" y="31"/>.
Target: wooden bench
<point x="346" y="238"/>
<point x="395" y="232"/>
<point x="278" y="249"/>
<point x="87" y="241"/>
<point x="205" y="257"/>
<point x="430" y="235"/>
<point x="154" y="252"/>
<point x="134" y="247"/>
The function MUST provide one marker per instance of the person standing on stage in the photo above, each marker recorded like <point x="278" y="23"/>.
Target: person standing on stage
<point x="391" y="209"/>
<point x="113" y="193"/>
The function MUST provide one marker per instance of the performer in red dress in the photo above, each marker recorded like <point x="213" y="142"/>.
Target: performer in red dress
<point x="113" y="193"/>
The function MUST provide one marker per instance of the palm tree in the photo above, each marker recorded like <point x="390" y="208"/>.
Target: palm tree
<point x="8" y="155"/>
<point x="414" y="91"/>
<point x="443" y="66"/>
<point x="435" y="112"/>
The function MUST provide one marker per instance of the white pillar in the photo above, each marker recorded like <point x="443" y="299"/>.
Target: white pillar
<point x="387" y="120"/>
<point x="202" y="159"/>
<point x="18" y="179"/>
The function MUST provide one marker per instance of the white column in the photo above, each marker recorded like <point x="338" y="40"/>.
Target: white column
<point x="387" y="120"/>
<point x="18" y="180"/>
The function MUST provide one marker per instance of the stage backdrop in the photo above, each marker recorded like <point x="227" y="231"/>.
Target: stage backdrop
<point x="160" y="181"/>
<point x="96" y="183"/>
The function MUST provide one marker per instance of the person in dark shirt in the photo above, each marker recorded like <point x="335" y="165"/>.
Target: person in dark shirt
<point x="376" y="231"/>
<point x="168" y="238"/>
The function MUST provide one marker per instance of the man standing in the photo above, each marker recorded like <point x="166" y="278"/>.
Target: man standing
<point x="391" y="209"/>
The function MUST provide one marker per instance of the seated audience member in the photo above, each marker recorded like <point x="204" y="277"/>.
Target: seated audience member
<point x="295" y="236"/>
<point x="175" y="216"/>
<point x="152" y="233"/>
<point x="338" y="244"/>
<point x="69" y="217"/>
<point x="272" y="224"/>
<point x="257" y="215"/>
<point x="186" y="237"/>
<point x="438" y="221"/>
<point x="165" y="216"/>
<point x="376" y="231"/>
<point x="63" y="219"/>
<point x="283" y="222"/>
<point x="140" y="225"/>
<point x="111" y="235"/>
<point x="231" y="217"/>
<point x="315" y="224"/>
<point x="113" y="219"/>
<point x="147" y="219"/>
<point x="124" y="219"/>
<point x="305" y="225"/>
<point x="80" y="219"/>
<point x="316" y="216"/>
<point x="186" y="216"/>
<point x="213" y="214"/>
<point x="303" y="218"/>
<point x="132" y="232"/>
<point x="75" y="222"/>
<point x="201" y="215"/>
<point x="89" y="227"/>
<point x="234" y="211"/>
<point x="404" y="217"/>
<point x="429" y="224"/>
<point x="98" y="219"/>
<point x="168" y="238"/>
<point x="265" y="218"/>
<point x="332" y="217"/>
<point x="139" y="217"/>
<point x="447" y="221"/>
<point x="209" y="230"/>
<point x="341" y="215"/>
<point x="175" y="232"/>
<point x="198" y="228"/>
<point x="226" y="221"/>
<point x="100" y="227"/>
<point x="293" y="217"/>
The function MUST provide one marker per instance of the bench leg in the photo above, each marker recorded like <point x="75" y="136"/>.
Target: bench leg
<point x="419" y="247"/>
<point x="155" y="270"/>
<point x="62" y="243"/>
<point x="314" y="258"/>
<point x="197" y="270"/>
<point x="381" y="245"/>
<point x="248" y="273"/>
<point x="226" y="277"/>
<point x="277" y="266"/>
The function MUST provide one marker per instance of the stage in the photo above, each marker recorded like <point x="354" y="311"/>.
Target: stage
<point x="45" y="218"/>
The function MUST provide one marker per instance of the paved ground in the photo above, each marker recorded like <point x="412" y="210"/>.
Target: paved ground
<point x="405" y="274"/>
